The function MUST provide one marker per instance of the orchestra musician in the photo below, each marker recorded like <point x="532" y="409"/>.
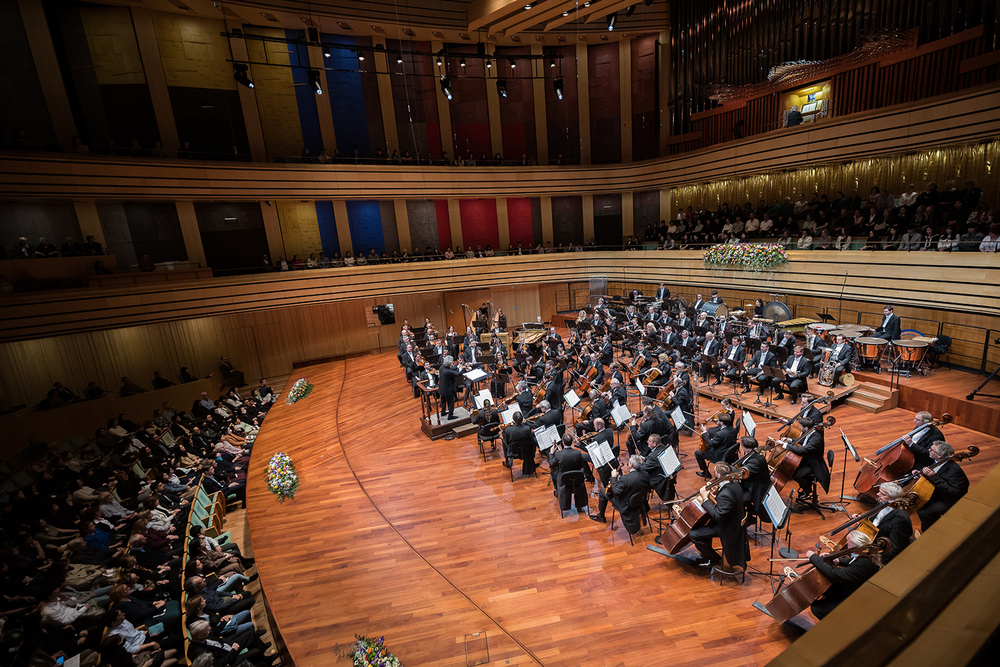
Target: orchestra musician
<point x="811" y="412"/>
<point x="813" y="466"/>
<point x="709" y="349"/>
<point x="715" y="297"/>
<point x="664" y="366"/>
<point x="668" y="337"/>
<point x="891" y="327"/>
<point x="606" y="434"/>
<point x="616" y="372"/>
<point x="619" y="395"/>
<point x="726" y="522"/>
<point x="658" y="480"/>
<point x="426" y="375"/>
<point x="487" y="417"/>
<point x="640" y="435"/>
<point x="662" y="292"/>
<point x="607" y="352"/>
<point x="683" y="321"/>
<point x="547" y="416"/>
<point x="843" y="354"/>
<point x="686" y="341"/>
<point x="472" y="353"/>
<point x="755" y="369"/>
<point x="758" y="479"/>
<point x="760" y="331"/>
<point x="524" y="399"/>
<point x="627" y="492"/>
<point x="699" y="303"/>
<point x="797" y="369"/>
<point x="736" y="351"/>
<point x="788" y="342"/>
<point x="569" y="460"/>
<point x="758" y="308"/>
<point x="846" y="575"/>
<point x="949" y="480"/>
<point x="599" y="410"/>
<point x="448" y="378"/>
<point x="554" y="390"/>
<point x="892" y="522"/>
<point x="920" y="443"/>
<point x="721" y="441"/>
<point x="519" y="443"/>
<point x="814" y="342"/>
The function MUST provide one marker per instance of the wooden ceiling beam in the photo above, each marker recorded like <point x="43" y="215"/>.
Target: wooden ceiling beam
<point x="542" y="11"/>
<point x="484" y="12"/>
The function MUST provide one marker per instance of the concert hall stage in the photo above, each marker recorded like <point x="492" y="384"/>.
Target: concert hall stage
<point x="422" y="542"/>
<point x="783" y="409"/>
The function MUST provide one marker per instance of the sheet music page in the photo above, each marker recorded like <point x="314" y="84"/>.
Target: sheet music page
<point x="669" y="461"/>
<point x="571" y="398"/>
<point x="553" y="433"/>
<point x="621" y="414"/>
<point x="507" y="416"/>
<point x="600" y="453"/>
<point x="776" y="507"/>
<point x="640" y="387"/>
<point x="475" y="375"/>
<point x="481" y="398"/>
<point x="543" y="438"/>
<point x="850" y="447"/>
<point x="749" y="423"/>
<point x="678" y="416"/>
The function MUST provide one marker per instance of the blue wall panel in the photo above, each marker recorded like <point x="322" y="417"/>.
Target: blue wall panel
<point x="347" y="99"/>
<point x="305" y="96"/>
<point x="327" y="227"/>
<point x="365" y="220"/>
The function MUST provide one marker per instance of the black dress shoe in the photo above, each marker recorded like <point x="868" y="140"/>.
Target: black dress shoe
<point x="507" y="464"/>
<point x="260" y="633"/>
<point x="717" y="382"/>
<point x="702" y="474"/>
<point x="657" y="540"/>
<point x="598" y="518"/>
<point x="779" y="397"/>
<point x="746" y="391"/>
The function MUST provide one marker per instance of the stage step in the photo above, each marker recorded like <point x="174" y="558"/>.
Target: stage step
<point x="873" y="398"/>
<point x="467" y="429"/>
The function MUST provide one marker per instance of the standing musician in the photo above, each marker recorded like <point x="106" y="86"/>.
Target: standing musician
<point x="627" y="492"/>
<point x="606" y="434"/>
<point x="721" y="439"/>
<point x="736" y="351"/>
<point x="758" y="480"/>
<point x="846" y="575"/>
<point x="519" y="443"/>
<point x="710" y="348"/>
<point x="449" y="387"/>
<point x="920" y="443"/>
<point x="501" y="373"/>
<point x="755" y="369"/>
<point x="892" y="522"/>
<point x="566" y="461"/>
<point x="662" y="292"/>
<point x="797" y="370"/>
<point x="813" y="465"/>
<point x="949" y="480"/>
<point x="891" y="327"/>
<point x="451" y="340"/>
<point x="726" y="514"/>
<point x="658" y="480"/>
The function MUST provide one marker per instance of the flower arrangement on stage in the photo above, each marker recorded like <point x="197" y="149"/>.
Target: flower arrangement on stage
<point x="369" y="652"/>
<point x="281" y="478"/>
<point x="299" y="390"/>
<point x="752" y="256"/>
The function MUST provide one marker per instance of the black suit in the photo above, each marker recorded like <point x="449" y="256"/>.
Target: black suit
<point x="658" y="480"/>
<point x="570" y="461"/>
<point x="662" y="293"/>
<point x="813" y="461"/>
<point x="800" y="382"/>
<point x="756" y="484"/>
<point x="891" y="329"/>
<point x="845" y="579"/>
<point x="519" y="442"/>
<point x="950" y="484"/>
<point x="628" y="495"/>
<point x="726" y="523"/>
<point x="755" y="369"/>
<point x="921" y="448"/>
<point x="896" y="526"/>
<point x="720" y="440"/>
<point x="604" y="471"/>
<point x="739" y="353"/>
<point x="711" y="349"/>
<point x="525" y="401"/>
<point x="449" y="388"/>
<point x="550" y="418"/>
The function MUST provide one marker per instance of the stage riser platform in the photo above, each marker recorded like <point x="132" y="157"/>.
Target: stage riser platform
<point x="781" y="409"/>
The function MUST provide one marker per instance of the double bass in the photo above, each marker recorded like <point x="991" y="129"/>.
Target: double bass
<point x="677" y="534"/>
<point x="784" y="462"/>
<point x="890" y="462"/>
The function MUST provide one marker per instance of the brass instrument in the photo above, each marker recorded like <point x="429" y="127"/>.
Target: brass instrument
<point x="829" y="369"/>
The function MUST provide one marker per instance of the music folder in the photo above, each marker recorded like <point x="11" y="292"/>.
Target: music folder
<point x="481" y="398"/>
<point x="640" y="387"/>
<point x="601" y="453"/>
<point x="546" y="436"/>
<point x="850" y="447"/>
<point x="749" y="423"/>
<point x="776" y="508"/>
<point x="475" y="375"/>
<point x="669" y="462"/>
<point x="571" y="398"/>
<point x="678" y="416"/>
<point x="507" y="416"/>
<point x="621" y="414"/>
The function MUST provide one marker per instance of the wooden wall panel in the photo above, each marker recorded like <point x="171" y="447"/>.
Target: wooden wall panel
<point x="562" y="116"/>
<point x="605" y="104"/>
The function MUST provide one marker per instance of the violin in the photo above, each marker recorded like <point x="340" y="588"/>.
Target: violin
<point x="890" y="462"/>
<point x="677" y="534"/>
<point x="784" y="462"/>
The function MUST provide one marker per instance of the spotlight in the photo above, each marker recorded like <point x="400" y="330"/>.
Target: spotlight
<point x="240" y="74"/>
<point x="630" y="10"/>
<point x="612" y="19"/>
<point x="361" y="57"/>
<point x="399" y="59"/>
<point x="438" y="61"/>
<point x="557" y="83"/>
<point x="502" y="87"/>
<point x="513" y="64"/>
<point x="552" y="61"/>
<point x="489" y="63"/>
<point x="446" y="86"/>
<point x="528" y="6"/>
<point x="314" y="80"/>
<point x="461" y="63"/>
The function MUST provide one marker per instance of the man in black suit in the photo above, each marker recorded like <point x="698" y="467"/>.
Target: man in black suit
<point x="757" y="483"/>
<point x="639" y="440"/>
<point x="662" y="292"/>
<point x="797" y="370"/>
<point x="472" y="354"/>
<point x="720" y="439"/>
<point x="224" y="653"/>
<point x="715" y="297"/>
<point x="409" y="361"/>
<point x="547" y="416"/>
<point x="847" y="575"/>
<point x="755" y="369"/>
<point x="606" y="434"/>
<point x="619" y="394"/>
<point x="448" y="376"/>
<point x="726" y="522"/>
<point x="570" y="461"/>
<point x="843" y="354"/>
<point x="892" y="522"/>
<point x="525" y="400"/>
<point x="787" y="341"/>
<point x="710" y="348"/>
<point x="599" y="410"/>
<point x="658" y="480"/>
<point x="891" y="327"/>
<point x="812" y="449"/>
<point x="920" y="442"/>
<point x="950" y="484"/>
<point x="554" y="390"/>
<point x="627" y="492"/>
<point x="519" y="442"/>
<point x="737" y="351"/>
<point x="699" y="303"/>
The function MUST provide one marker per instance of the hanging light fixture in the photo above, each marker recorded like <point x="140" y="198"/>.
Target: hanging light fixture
<point x="502" y="87"/>
<point x="240" y="74"/>
<point x="557" y="84"/>
<point x="446" y="86"/>
<point x="314" y="80"/>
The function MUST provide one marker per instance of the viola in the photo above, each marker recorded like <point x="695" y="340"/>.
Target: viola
<point x="891" y="462"/>
<point x="784" y="462"/>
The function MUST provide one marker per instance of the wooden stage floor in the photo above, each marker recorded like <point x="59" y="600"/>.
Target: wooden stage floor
<point x="422" y="542"/>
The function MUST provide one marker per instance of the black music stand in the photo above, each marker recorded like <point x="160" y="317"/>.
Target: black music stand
<point x="740" y="370"/>
<point x="705" y="359"/>
<point x="777" y="375"/>
<point x="779" y="517"/>
<point x="848" y="449"/>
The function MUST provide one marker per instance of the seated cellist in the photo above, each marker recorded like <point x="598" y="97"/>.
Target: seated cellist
<point x="846" y="573"/>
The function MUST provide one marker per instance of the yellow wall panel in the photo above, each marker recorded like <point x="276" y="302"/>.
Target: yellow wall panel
<point x="194" y="52"/>
<point x="113" y="49"/>
<point x="275" y="94"/>
<point x="299" y="228"/>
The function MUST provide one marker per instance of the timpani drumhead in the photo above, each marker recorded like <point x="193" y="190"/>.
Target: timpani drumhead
<point x="864" y="340"/>
<point x="910" y="343"/>
<point x="822" y="326"/>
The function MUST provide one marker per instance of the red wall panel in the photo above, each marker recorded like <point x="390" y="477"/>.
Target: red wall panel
<point x="479" y="222"/>
<point x="444" y="223"/>
<point x="519" y="222"/>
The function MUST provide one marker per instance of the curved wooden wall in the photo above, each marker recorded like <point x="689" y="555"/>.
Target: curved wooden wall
<point x="971" y="116"/>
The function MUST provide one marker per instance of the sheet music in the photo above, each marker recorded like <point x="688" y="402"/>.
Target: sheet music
<point x="600" y="453"/>
<point x="776" y="507"/>
<point x="749" y="423"/>
<point x="621" y="414"/>
<point x="546" y="436"/>
<point x="571" y="398"/>
<point x="640" y="387"/>
<point x="850" y="447"/>
<point x="669" y="461"/>
<point x="481" y="398"/>
<point x="507" y="416"/>
<point x="678" y="416"/>
<point x="475" y="375"/>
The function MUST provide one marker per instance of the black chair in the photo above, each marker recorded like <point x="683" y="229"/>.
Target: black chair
<point x="571" y="486"/>
<point x="638" y="502"/>
<point x="732" y="454"/>
<point x="488" y="433"/>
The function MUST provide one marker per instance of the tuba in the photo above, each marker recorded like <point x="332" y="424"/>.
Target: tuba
<point x="829" y="369"/>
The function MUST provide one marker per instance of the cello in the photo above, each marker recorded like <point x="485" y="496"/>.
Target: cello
<point x="677" y="534"/>
<point x="890" y="462"/>
<point x="784" y="462"/>
<point x="919" y="489"/>
<point x="801" y="590"/>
